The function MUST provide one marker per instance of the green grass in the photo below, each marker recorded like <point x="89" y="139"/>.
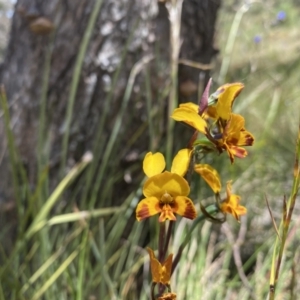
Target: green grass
<point x="65" y="251"/>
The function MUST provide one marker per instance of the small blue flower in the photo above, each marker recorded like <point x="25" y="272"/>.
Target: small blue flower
<point x="281" y="15"/>
<point x="257" y="39"/>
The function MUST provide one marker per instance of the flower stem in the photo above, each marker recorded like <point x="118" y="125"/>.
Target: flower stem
<point x="167" y="241"/>
<point x="161" y="242"/>
<point x="161" y="250"/>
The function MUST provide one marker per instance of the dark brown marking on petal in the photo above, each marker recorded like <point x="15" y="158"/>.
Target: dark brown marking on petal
<point x="174" y="206"/>
<point x="249" y="140"/>
<point x="190" y="211"/>
<point x="233" y="141"/>
<point x="143" y="212"/>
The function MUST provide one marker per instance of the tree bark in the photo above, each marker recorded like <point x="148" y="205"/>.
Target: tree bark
<point x="22" y="73"/>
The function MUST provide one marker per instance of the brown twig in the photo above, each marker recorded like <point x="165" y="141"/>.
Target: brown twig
<point x="161" y="242"/>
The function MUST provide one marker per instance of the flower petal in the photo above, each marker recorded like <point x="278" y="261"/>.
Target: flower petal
<point x="246" y="138"/>
<point x="190" y="117"/>
<point x="181" y="162"/>
<point x="231" y="204"/>
<point x="153" y="164"/>
<point x="234" y="136"/>
<point x="236" y="151"/>
<point x="233" y="127"/>
<point x="161" y="273"/>
<point x="172" y="183"/>
<point x="211" y="112"/>
<point x="226" y="95"/>
<point x="166" y="270"/>
<point x="147" y="207"/>
<point x="210" y="175"/>
<point x="231" y="152"/>
<point x="232" y="208"/>
<point x="155" y="266"/>
<point x="191" y="106"/>
<point x="241" y="210"/>
<point x="184" y="207"/>
<point x="166" y="214"/>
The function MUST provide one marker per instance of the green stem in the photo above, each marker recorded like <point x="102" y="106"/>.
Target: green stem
<point x="284" y="226"/>
<point x="82" y="266"/>
<point x="230" y="42"/>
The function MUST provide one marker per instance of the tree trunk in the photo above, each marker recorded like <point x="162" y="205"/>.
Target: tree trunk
<point x="56" y="117"/>
<point x="139" y="28"/>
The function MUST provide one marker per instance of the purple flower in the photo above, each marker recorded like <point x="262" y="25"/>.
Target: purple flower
<point x="281" y="16"/>
<point x="257" y="39"/>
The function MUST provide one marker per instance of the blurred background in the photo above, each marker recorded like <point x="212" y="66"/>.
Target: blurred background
<point x="93" y="78"/>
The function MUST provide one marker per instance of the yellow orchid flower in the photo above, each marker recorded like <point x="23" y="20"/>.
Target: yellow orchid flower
<point x="231" y="204"/>
<point x="225" y="130"/>
<point x="220" y="107"/>
<point x="166" y="193"/>
<point x="161" y="273"/>
<point x="231" y="134"/>
<point x="234" y="136"/>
